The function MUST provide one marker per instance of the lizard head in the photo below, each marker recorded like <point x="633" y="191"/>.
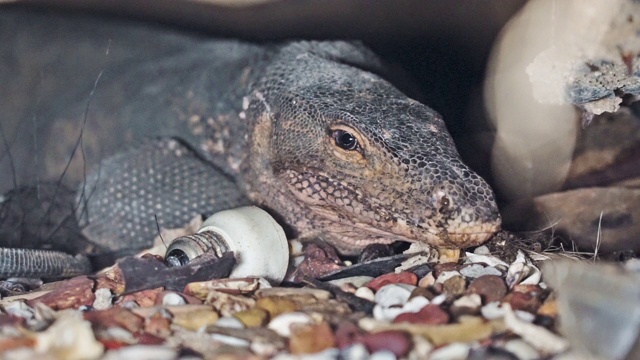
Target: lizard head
<point x="355" y="161"/>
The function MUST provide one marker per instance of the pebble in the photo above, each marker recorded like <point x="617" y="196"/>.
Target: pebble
<point x="230" y="340"/>
<point x="142" y="352"/>
<point x="393" y="299"/>
<point x="357" y="281"/>
<point x="276" y="305"/>
<point x="311" y="338"/>
<point x="446" y="275"/>
<point x="282" y="323"/>
<point x="282" y="292"/>
<point x="195" y="320"/>
<point x="393" y="294"/>
<point x="230" y="322"/>
<point x="365" y="293"/>
<point x="455" y="285"/>
<point x="396" y="342"/>
<point x="492" y="311"/>
<point x="522" y="350"/>
<point x="104" y="299"/>
<point x="490" y="288"/>
<point x="254" y="317"/>
<point x="354" y="352"/>
<point x="383" y="355"/>
<point x="476" y="270"/>
<point x="172" y="299"/>
<point x="453" y="351"/>
<point x="347" y="334"/>
<point x="427" y="280"/>
<point x="523" y="301"/>
<point x="404" y="277"/>
<point x="428" y="315"/>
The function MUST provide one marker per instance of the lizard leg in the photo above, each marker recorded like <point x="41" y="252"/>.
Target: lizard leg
<point x="159" y="183"/>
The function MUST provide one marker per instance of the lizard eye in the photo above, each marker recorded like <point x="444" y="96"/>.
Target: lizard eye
<point x="345" y="140"/>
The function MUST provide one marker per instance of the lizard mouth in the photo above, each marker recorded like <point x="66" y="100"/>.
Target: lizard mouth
<point x="352" y="236"/>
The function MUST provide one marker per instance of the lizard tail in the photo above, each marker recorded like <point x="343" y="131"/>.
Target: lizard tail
<point x="32" y="263"/>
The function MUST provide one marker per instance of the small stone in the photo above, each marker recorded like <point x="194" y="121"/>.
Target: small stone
<point x="347" y="334"/>
<point x="421" y="270"/>
<point x="354" y="352"/>
<point x="393" y="294"/>
<point x="104" y="299"/>
<point x="115" y="317"/>
<point x="429" y="315"/>
<point x="229" y="322"/>
<point x="549" y="307"/>
<point x="227" y="304"/>
<point x="144" y="298"/>
<point x="428" y="292"/>
<point x="466" y="305"/>
<point x="311" y="338"/>
<point x="446" y="275"/>
<point x="404" y="277"/>
<point x="276" y="305"/>
<point x="438" y="269"/>
<point x="521" y="349"/>
<point x="470" y="301"/>
<point x="397" y="342"/>
<point x="427" y="280"/>
<point x="365" y="293"/>
<point x="71" y="293"/>
<point x="521" y="301"/>
<point x="158" y="325"/>
<point x="451" y="351"/>
<point x="253" y="317"/>
<point x="172" y="299"/>
<point x="455" y="285"/>
<point x="490" y="288"/>
<point x="156" y="352"/>
<point x="492" y="311"/>
<point x="357" y="281"/>
<point x="291" y="293"/>
<point x="282" y="324"/>
<point x="195" y="320"/>
<point x="476" y="270"/>
<point x="243" y="286"/>
<point x="382" y="355"/>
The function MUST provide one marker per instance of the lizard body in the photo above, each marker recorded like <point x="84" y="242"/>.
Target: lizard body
<point x="304" y="129"/>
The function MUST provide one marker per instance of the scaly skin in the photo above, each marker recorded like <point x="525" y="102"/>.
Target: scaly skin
<point x="305" y="129"/>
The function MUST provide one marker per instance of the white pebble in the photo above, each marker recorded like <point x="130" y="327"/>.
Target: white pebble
<point x="230" y="340"/>
<point x="281" y="324"/>
<point x="230" y="322"/>
<point x="492" y="311"/>
<point x="482" y="250"/>
<point x="470" y="301"/>
<point x="415" y="304"/>
<point x="365" y="293"/>
<point x="452" y="351"/>
<point x="355" y="352"/>
<point x="382" y="355"/>
<point x="357" y="281"/>
<point x="477" y="270"/>
<point x="438" y="300"/>
<point x="446" y="275"/>
<point x="142" y="352"/>
<point x="172" y="299"/>
<point x="104" y="299"/>
<point x="393" y="294"/>
<point x="522" y="350"/>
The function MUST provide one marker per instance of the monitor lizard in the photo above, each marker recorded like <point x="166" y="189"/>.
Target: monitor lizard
<point x="307" y="130"/>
